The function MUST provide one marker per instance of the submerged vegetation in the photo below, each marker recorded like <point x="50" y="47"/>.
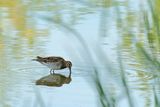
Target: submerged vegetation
<point x="137" y="48"/>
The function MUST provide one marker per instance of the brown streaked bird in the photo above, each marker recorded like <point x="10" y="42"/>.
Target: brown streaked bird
<point x="54" y="63"/>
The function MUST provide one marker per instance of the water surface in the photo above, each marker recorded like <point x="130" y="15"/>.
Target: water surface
<point x="90" y="34"/>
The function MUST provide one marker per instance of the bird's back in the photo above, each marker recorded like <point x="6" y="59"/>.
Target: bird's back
<point x="52" y="62"/>
<point x="49" y="59"/>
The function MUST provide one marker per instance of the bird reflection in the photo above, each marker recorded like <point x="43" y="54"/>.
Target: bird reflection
<point x="55" y="80"/>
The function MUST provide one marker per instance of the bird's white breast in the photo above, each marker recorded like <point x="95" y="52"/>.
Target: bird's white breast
<point x="54" y="66"/>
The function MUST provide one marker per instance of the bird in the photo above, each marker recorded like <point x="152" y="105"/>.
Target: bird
<point x="54" y="63"/>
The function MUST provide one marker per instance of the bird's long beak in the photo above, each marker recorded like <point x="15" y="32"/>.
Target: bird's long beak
<point x="70" y="71"/>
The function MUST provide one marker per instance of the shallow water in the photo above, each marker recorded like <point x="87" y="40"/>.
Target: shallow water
<point x="77" y="31"/>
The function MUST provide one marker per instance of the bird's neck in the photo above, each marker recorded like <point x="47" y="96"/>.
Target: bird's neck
<point x="63" y="65"/>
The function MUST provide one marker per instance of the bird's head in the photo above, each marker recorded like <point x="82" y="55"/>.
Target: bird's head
<point x="69" y="65"/>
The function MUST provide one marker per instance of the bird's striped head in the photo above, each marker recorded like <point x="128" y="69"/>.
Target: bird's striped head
<point x="69" y="64"/>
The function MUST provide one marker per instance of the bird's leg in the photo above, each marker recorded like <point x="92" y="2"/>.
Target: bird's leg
<point x="50" y="71"/>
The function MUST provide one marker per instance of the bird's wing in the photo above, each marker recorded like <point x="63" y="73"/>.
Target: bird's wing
<point x="51" y="59"/>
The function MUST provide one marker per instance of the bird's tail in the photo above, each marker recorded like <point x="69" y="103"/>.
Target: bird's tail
<point x="34" y="59"/>
<point x="37" y="59"/>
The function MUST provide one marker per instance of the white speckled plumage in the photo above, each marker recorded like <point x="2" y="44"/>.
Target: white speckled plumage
<point x="54" y="63"/>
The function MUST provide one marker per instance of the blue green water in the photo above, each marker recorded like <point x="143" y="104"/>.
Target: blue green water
<point x="85" y="32"/>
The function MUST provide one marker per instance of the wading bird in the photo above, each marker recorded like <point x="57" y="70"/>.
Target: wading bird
<point x="54" y="63"/>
